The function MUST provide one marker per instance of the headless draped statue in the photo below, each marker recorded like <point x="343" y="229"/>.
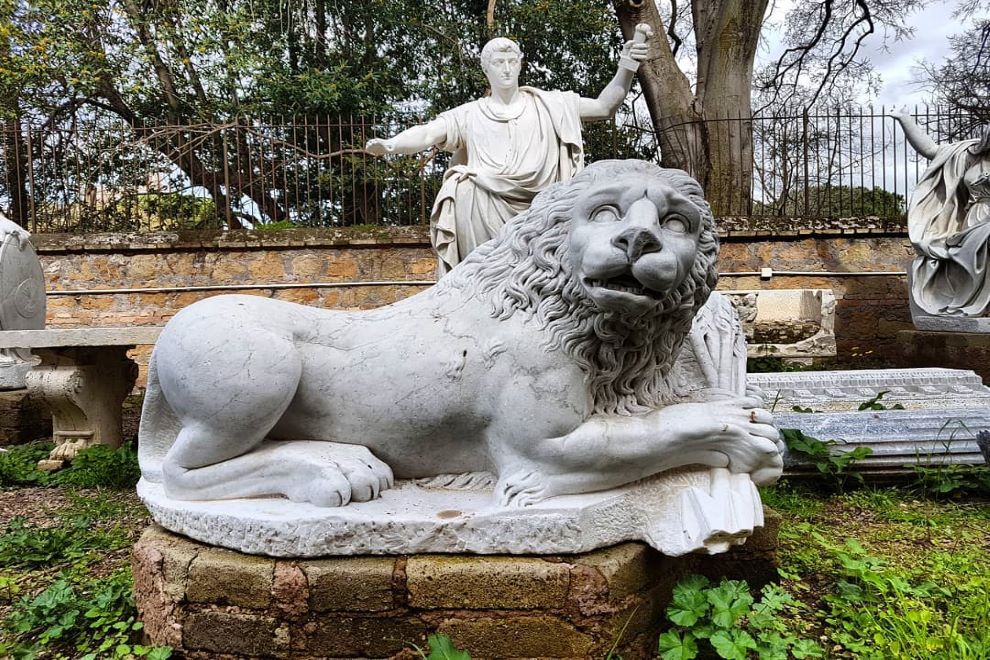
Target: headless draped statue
<point x="949" y="225"/>
<point x="507" y="146"/>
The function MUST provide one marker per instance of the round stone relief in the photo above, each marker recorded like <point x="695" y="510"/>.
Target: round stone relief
<point x="22" y="287"/>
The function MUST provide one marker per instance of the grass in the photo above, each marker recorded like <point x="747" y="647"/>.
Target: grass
<point x="888" y="574"/>
<point x="65" y="580"/>
<point x="869" y="573"/>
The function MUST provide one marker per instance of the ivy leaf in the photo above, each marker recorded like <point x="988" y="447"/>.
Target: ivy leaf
<point x="674" y="647"/>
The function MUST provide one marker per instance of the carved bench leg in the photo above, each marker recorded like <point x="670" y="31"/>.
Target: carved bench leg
<point x="84" y="387"/>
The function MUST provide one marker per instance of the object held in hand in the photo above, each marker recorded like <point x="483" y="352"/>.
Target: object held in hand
<point x="641" y="34"/>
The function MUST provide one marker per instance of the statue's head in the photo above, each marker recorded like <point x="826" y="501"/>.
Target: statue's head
<point x="614" y="263"/>
<point x="982" y="148"/>
<point x="501" y="60"/>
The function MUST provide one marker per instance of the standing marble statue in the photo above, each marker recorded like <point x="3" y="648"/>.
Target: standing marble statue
<point x="949" y="224"/>
<point x="507" y="146"/>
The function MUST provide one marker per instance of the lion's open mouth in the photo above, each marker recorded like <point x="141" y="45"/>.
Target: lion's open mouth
<point x="625" y="283"/>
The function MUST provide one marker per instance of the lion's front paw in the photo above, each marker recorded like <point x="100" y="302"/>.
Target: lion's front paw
<point x="521" y="487"/>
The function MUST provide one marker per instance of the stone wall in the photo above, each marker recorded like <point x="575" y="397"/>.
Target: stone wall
<point x="117" y="279"/>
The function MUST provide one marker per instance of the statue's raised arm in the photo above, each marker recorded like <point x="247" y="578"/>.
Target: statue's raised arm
<point x="915" y="135"/>
<point x="634" y="51"/>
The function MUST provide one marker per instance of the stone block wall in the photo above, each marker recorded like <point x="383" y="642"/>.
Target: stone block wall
<point x="204" y="601"/>
<point x="118" y="279"/>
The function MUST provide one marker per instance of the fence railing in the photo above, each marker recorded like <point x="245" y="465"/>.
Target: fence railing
<point x="97" y="173"/>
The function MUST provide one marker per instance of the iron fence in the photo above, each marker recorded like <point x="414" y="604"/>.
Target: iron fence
<point x="97" y="173"/>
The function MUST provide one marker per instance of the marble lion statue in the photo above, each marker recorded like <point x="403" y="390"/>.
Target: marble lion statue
<point x="545" y="358"/>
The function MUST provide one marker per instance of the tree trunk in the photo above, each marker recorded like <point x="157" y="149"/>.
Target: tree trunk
<point x="17" y="159"/>
<point x="709" y="132"/>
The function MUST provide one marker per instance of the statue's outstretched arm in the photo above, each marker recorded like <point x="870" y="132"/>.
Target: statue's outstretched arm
<point x="635" y="51"/>
<point x="920" y="140"/>
<point x="410" y="141"/>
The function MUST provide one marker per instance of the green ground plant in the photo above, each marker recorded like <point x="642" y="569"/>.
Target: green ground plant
<point x="86" y="618"/>
<point x="95" y="467"/>
<point x="834" y="467"/>
<point x="727" y="621"/>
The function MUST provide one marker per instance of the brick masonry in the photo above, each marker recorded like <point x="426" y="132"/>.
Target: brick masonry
<point x="870" y="309"/>
<point x="203" y="601"/>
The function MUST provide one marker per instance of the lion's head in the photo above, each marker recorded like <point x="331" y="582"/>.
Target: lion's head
<point x="614" y="263"/>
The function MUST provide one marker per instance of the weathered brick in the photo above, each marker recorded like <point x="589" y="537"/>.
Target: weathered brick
<point x="436" y="581"/>
<point x="625" y="567"/>
<point x="357" y="584"/>
<point x="223" y="632"/>
<point x="349" y="637"/>
<point x="230" y="578"/>
<point x="518" y="637"/>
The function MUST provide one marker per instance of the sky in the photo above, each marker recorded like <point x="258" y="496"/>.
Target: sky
<point x="895" y="61"/>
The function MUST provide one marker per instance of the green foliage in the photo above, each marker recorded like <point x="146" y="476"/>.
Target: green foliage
<point x="441" y="648"/>
<point x="170" y="210"/>
<point x="88" y="619"/>
<point x="946" y="479"/>
<point x="726" y="620"/>
<point x="876" y="612"/>
<point x="874" y="403"/>
<point x="832" y="201"/>
<point x="28" y="546"/>
<point x="100" y="466"/>
<point x="835" y="467"/>
<point x="772" y="363"/>
<point x="18" y="464"/>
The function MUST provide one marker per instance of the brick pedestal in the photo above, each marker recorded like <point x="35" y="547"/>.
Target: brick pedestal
<point x="952" y="350"/>
<point x="205" y="601"/>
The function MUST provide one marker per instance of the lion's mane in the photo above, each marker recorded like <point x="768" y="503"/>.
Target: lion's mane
<point x="527" y="269"/>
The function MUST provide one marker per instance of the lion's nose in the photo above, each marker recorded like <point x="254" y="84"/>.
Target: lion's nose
<point x="641" y="234"/>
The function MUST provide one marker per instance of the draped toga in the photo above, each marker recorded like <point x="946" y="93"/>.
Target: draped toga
<point x="949" y="226"/>
<point x="502" y="158"/>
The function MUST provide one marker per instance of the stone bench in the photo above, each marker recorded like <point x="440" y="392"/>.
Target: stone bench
<point x="83" y="376"/>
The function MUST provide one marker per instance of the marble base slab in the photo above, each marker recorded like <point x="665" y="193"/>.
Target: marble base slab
<point x="976" y="324"/>
<point x="927" y="388"/>
<point x="898" y="438"/>
<point x="703" y="510"/>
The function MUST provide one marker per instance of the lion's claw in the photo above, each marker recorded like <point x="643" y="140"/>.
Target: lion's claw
<point x="520" y="488"/>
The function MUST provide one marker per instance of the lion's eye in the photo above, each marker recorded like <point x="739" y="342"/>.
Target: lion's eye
<point x="605" y="214"/>
<point x="675" y="223"/>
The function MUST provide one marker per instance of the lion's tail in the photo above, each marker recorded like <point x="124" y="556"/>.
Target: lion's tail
<point x="159" y="426"/>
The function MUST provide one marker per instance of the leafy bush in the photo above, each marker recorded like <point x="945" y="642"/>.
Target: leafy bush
<point x="100" y="466"/>
<point x="18" y="464"/>
<point x="952" y="479"/>
<point x="835" y="467"/>
<point x="727" y="621"/>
